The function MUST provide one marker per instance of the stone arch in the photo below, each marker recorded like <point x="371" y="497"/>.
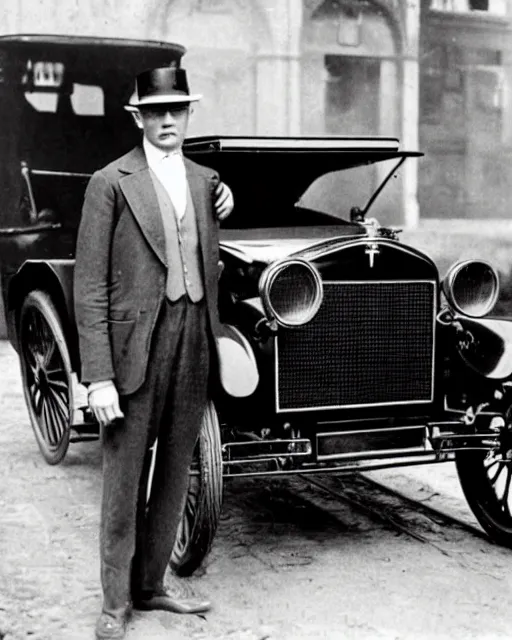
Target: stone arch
<point x="351" y="53"/>
<point x="223" y="40"/>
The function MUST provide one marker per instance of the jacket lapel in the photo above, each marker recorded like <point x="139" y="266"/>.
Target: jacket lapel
<point x="137" y="187"/>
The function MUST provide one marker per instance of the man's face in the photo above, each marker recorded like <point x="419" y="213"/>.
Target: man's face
<point x="164" y="125"/>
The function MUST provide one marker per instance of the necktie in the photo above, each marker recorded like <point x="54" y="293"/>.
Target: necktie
<point x="176" y="182"/>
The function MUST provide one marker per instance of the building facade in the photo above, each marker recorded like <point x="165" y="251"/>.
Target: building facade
<point x="465" y="123"/>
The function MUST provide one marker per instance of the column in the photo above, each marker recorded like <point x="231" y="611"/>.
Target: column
<point x="410" y="112"/>
<point x="295" y="17"/>
<point x="278" y="71"/>
<point x="507" y="99"/>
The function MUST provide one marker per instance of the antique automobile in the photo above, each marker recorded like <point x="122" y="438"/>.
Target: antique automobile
<point x="343" y="348"/>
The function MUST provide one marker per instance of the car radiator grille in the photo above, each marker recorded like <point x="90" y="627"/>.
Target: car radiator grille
<point x="371" y="344"/>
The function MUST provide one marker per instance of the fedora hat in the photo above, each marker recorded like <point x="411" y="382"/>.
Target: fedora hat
<point x="166" y="85"/>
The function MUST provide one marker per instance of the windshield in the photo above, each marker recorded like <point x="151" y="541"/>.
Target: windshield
<point x="338" y="192"/>
<point x="298" y="181"/>
<point x="324" y="202"/>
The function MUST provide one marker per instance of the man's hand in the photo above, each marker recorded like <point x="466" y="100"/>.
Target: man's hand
<point x="224" y="201"/>
<point x="104" y="402"/>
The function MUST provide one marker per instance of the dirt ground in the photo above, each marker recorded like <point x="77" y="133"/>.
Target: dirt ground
<point x="289" y="562"/>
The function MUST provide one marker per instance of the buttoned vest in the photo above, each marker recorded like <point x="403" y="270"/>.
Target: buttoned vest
<point x="184" y="275"/>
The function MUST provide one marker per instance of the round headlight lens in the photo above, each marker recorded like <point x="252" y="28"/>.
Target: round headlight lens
<point x="472" y="287"/>
<point x="291" y="292"/>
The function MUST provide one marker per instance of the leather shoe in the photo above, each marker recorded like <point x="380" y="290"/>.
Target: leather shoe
<point x="112" y="625"/>
<point x="164" y="601"/>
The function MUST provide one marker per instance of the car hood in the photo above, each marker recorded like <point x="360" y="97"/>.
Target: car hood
<point x="263" y="250"/>
<point x="266" y="250"/>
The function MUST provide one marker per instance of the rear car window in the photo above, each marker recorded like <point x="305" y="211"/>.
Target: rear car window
<point x="48" y="91"/>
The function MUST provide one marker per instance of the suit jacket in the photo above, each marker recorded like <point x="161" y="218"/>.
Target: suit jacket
<point x="121" y="267"/>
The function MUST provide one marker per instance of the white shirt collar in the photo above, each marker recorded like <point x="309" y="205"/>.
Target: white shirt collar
<point x="154" y="155"/>
<point x="174" y="181"/>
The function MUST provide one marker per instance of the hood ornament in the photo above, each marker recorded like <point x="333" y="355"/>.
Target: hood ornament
<point x="372" y="248"/>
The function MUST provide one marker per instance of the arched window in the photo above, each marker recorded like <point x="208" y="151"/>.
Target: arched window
<point x="350" y="78"/>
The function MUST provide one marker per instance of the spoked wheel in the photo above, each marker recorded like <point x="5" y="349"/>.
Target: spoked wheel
<point x="46" y="374"/>
<point x="486" y="479"/>
<point x="204" y="499"/>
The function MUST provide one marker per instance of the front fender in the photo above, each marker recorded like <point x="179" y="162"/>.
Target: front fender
<point x="54" y="276"/>
<point x="486" y="346"/>
<point x="39" y="272"/>
<point x="237" y="365"/>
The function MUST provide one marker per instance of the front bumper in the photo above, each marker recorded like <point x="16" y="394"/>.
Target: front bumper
<point x="348" y="449"/>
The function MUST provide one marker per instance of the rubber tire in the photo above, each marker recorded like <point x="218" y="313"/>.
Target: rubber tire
<point x="205" y="492"/>
<point x="479" y="494"/>
<point x="42" y="303"/>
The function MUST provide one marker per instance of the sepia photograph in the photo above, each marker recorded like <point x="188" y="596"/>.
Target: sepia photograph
<point x="255" y="319"/>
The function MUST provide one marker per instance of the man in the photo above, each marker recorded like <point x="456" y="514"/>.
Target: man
<point x="146" y="307"/>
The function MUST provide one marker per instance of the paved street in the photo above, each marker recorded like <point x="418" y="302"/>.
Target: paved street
<point x="289" y="562"/>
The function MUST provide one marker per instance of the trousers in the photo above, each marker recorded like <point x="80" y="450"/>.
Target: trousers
<point x="137" y="535"/>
